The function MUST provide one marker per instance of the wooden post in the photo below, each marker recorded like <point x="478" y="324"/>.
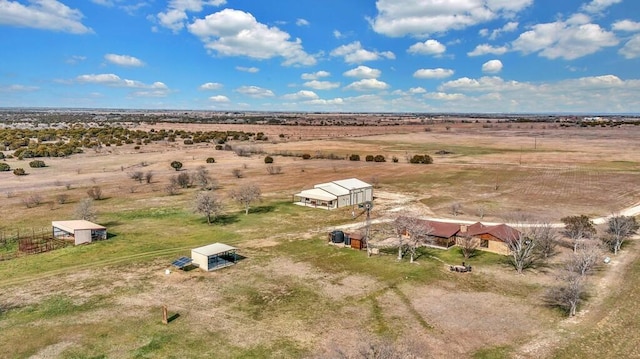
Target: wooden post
<point x="165" y="316"/>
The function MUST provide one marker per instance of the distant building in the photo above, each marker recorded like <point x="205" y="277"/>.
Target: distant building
<point x="214" y="256"/>
<point x="336" y="194"/>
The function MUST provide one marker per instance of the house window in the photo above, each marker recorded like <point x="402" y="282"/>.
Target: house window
<point x="484" y="243"/>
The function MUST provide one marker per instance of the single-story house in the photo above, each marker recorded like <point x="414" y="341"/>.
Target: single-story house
<point x="214" y="256"/>
<point x="81" y="231"/>
<point x="336" y="194"/>
<point x="442" y="234"/>
<point x="491" y="238"/>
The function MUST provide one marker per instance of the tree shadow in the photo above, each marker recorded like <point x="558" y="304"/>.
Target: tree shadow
<point x="226" y="219"/>
<point x="262" y="209"/>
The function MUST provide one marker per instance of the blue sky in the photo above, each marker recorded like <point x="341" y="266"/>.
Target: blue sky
<point x="489" y="56"/>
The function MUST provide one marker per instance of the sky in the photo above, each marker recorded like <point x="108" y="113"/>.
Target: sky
<point x="427" y="56"/>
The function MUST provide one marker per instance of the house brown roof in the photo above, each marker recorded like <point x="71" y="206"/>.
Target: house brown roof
<point x="441" y="229"/>
<point x="502" y="232"/>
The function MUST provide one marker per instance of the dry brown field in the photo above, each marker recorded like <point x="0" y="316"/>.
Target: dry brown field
<point x="288" y="298"/>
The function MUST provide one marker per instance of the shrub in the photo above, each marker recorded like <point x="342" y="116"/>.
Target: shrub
<point x="177" y="165"/>
<point x="37" y="164"/>
<point x="379" y="158"/>
<point x="1" y="155"/>
<point x="369" y="158"/>
<point x="211" y="160"/>
<point x="354" y="158"/>
<point x="188" y="142"/>
<point x="274" y="170"/>
<point x="219" y="147"/>
<point x="4" y="167"/>
<point x="306" y="156"/>
<point x="19" y="172"/>
<point x="425" y="159"/>
<point x="268" y="159"/>
<point x="394" y="159"/>
<point x="95" y="193"/>
<point x="136" y="147"/>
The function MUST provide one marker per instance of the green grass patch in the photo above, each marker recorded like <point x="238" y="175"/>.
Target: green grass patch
<point x="499" y="352"/>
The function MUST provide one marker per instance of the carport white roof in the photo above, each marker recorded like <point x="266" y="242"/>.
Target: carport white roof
<point x="213" y="249"/>
<point x="352" y="183"/>
<point x="317" y="193"/>
<point x="333" y="188"/>
<point x="74" y="225"/>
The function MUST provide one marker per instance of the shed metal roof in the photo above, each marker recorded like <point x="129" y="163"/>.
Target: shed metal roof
<point x="352" y="183"/>
<point x="213" y="249"/>
<point x="74" y="225"/>
<point x="333" y="188"/>
<point x="317" y="193"/>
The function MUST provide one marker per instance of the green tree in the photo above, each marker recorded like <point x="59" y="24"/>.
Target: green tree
<point x="177" y="165"/>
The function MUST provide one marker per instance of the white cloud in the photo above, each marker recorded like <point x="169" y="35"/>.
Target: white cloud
<point x="626" y="25"/>
<point x="443" y="96"/>
<point x="417" y="90"/>
<point x="323" y="102"/>
<point x="569" y="39"/>
<point x="631" y="49"/>
<point x="237" y="33"/>
<point x="302" y="22"/>
<point x="597" y="6"/>
<point x="321" y="85"/>
<point x="511" y="26"/>
<point x="210" y="86"/>
<point x="398" y="18"/>
<point x="219" y="99"/>
<point x="255" y="91"/>
<point x="438" y="73"/>
<point x="353" y="53"/>
<point x="75" y="59"/>
<point x="123" y="60"/>
<point x="301" y="95"/>
<point x="251" y="70"/>
<point x="315" y="75"/>
<point x="114" y="80"/>
<point x="43" y="14"/>
<point x="428" y="47"/>
<point x="337" y="34"/>
<point x="484" y="49"/>
<point x="175" y="15"/>
<point x="18" y="88"/>
<point x="367" y="85"/>
<point x="363" y="72"/>
<point x="492" y="66"/>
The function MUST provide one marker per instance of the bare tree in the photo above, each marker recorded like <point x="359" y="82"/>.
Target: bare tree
<point x="456" y="208"/>
<point x="148" y="177"/>
<point x="207" y="204"/>
<point x="578" y="228"/>
<point x="274" y="170"/>
<point x="521" y="251"/>
<point x="237" y="173"/>
<point x="481" y="210"/>
<point x="619" y="228"/>
<point x="245" y="195"/>
<point x="468" y="245"/>
<point x="183" y="180"/>
<point x="62" y="198"/>
<point x="95" y="193"/>
<point x="546" y="238"/>
<point x="84" y="210"/>
<point x="568" y="294"/>
<point x="585" y="258"/>
<point x="202" y="178"/>
<point x="172" y="189"/>
<point x="412" y="233"/>
<point x="32" y="200"/>
<point x="137" y="176"/>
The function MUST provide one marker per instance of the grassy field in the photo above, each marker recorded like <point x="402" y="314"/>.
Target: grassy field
<point x="293" y="295"/>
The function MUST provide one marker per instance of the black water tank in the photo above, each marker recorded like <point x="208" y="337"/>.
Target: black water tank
<point x="347" y="239"/>
<point x="337" y="236"/>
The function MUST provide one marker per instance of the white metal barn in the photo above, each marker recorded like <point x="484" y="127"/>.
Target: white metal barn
<point x="336" y="194"/>
<point x="214" y="256"/>
<point x="81" y="231"/>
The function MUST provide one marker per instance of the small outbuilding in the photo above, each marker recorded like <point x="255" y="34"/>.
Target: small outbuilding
<point x="80" y="231"/>
<point x="214" y="256"/>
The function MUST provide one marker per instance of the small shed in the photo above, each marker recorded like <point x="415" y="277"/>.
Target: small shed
<point x="214" y="256"/>
<point x="356" y="240"/>
<point x="80" y="231"/>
